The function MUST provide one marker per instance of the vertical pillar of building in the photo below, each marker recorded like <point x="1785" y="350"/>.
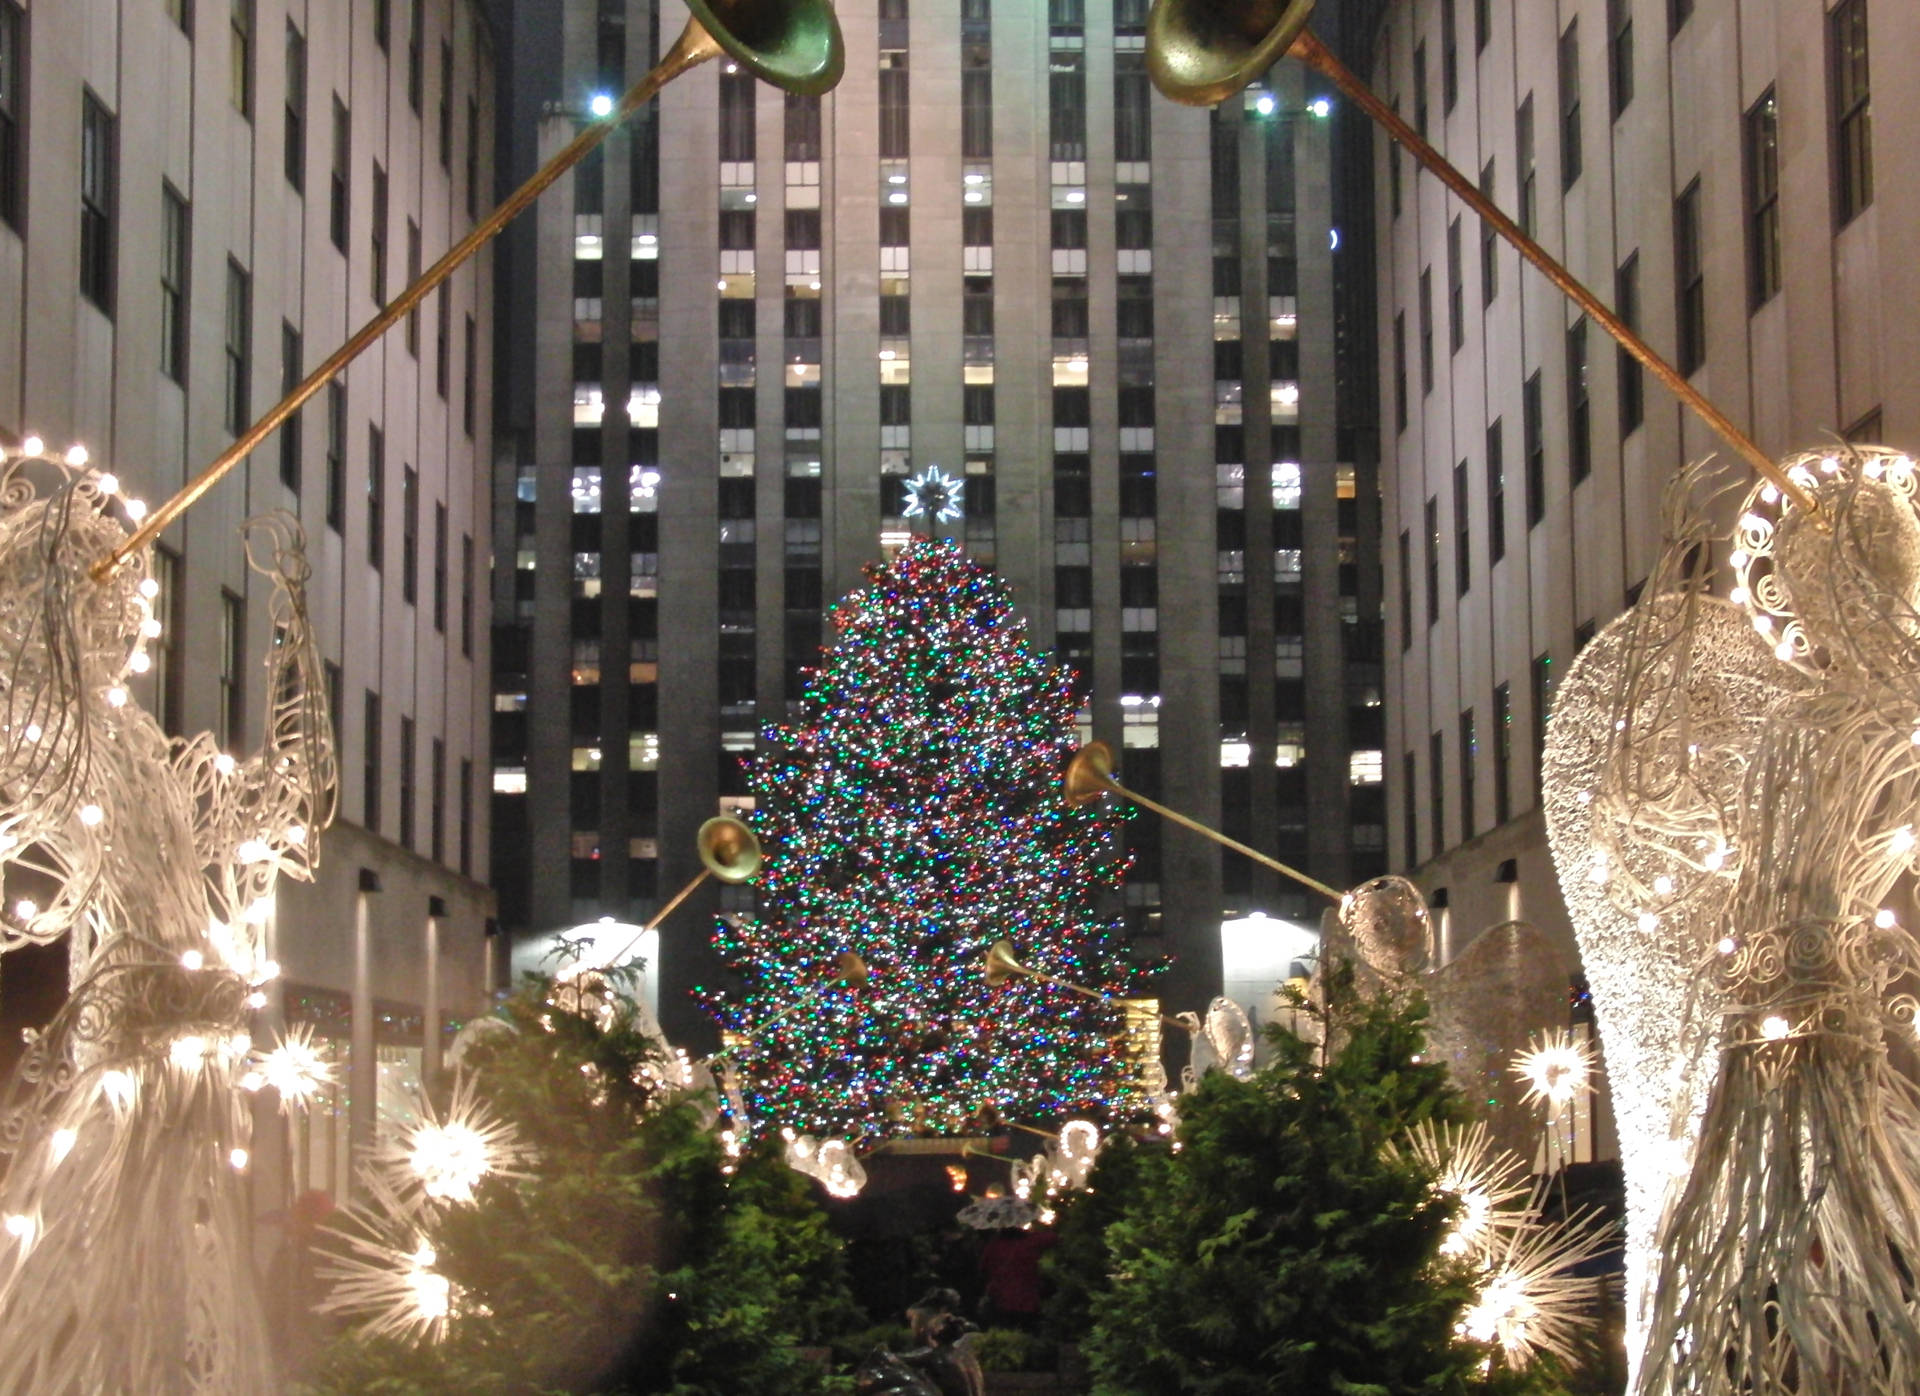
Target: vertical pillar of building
<point x="1329" y="827"/>
<point x="1189" y="575"/>
<point x="689" y="519"/>
<point x="850" y="316"/>
<point x="616" y="505"/>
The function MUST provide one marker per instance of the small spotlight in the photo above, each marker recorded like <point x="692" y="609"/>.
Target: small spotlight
<point x="1320" y="107"/>
<point x="601" y="105"/>
<point x="1264" y="104"/>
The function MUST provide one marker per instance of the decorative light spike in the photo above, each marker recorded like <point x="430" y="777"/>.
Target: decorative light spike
<point x="294" y="1068"/>
<point x="443" y="1157"/>
<point x="1556" y="1068"/>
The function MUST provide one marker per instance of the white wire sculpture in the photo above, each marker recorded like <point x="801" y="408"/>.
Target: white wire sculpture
<point x="1730" y="790"/>
<point x="124" y="1130"/>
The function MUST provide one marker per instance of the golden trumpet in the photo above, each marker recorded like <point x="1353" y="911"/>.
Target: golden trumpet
<point x="1001" y="965"/>
<point x="1090" y="777"/>
<point x="1200" y="52"/>
<point x="793" y="44"/>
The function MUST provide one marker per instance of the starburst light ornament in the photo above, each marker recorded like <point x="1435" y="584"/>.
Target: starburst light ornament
<point x="445" y="1157"/>
<point x="386" y="1276"/>
<point x="935" y="495"/>
<point x="1557" y="1069"/>
<point x="293" y="1068"/>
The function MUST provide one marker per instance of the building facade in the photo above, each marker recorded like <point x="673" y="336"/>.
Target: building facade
<point x="1708" y="168"/>
<point x="198" y="203"/>
<point x="991" y="250"/>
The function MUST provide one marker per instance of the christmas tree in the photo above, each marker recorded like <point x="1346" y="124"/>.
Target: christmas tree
<point x="914" y="816"/>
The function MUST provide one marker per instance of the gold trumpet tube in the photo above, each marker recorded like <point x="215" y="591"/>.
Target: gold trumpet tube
<point x="1090" y="776"/>
<point x="810" y="62"/>
<point x="1001" y="963"/>
<point x="1200" y="52"/>
<point x="728" y="849"/>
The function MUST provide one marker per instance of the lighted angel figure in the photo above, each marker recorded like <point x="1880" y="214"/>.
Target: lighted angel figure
<point x="124" y="1262"/>
<point x="1730" y="797"/>
<point x="1224" y="1041"/>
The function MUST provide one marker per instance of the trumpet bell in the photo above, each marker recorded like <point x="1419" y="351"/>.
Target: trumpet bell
<point x="853" y="969"/>
<point x="729" y="848"/>
<point x="1089" y="774"/>
<point x="1000" y="964"/>
<point x="1201" y="52"/>
<point x="794" y="44"/>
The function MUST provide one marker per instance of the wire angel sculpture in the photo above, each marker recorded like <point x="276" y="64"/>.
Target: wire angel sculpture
<point x="124" y="1129"/>
<point x="1731" y="786"/>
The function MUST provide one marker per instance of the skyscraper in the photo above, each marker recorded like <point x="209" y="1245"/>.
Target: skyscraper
<point x="994" y="252"/>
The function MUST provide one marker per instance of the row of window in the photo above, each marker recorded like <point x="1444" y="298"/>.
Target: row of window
<point x="376" y="769"/>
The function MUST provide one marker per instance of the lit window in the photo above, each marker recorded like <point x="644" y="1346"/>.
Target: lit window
<point x="510" y="780"/>
<point x="1235" y="751"/>
<point x="1366" y="768"/>
<point x="586" y="758"/>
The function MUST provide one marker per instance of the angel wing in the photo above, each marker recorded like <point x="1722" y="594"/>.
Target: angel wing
<point x="1652" y="732"/>
<point x="1229" y="1036"/>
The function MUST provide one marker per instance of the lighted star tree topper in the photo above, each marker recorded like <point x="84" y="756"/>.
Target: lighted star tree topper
<point x="914" y="816"/>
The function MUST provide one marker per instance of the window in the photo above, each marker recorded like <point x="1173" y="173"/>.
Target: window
<point x="416" y="40"/>
<point x="409" y="533"/>
<point x="377" y="235"/>
<point x="893" y="105"/>
<point x="413" y="275"/>
<point x="1469" y="757"/>
<point x="290" y="429"/>
<point x="1533" y="443"/>
<point x="1542" y="703"/>
<point x="1489" y="245"/>
<point x="1678" y="12"/>
<point x="383" y="23"/>
<point x="1410" y="809"/>
<point x="1437" y="789"/>
<point x="1420" y="90"/>
<point x="1502" y="754"/>
<point x="1496" y="496"/>
<point x="1524" y="163"/>
<point x="802" y="127"/>
<point x="96" y="202"/>
<point x="440" y="567"/>
<point x="976" y="105"/>
<point x="437" y="802"/>
<point x="736" y="115"/>
<point x="1400" y="370"/>
<point x="407" y="783"/>
<point x="1462" y="534"/>
<point x="472" y="180"/>
<point x="442" y="335"/>
<point x="1433" y="559"/>
<point x="174" y="232"/>
<point x="1690" y="281"/>
<point x="231" y="717"/>
<point x="239" y="346"/>
<point x="1456" y="295"/>
<point x="468" y="349"/>
<point x="1406" y="590"/>
<point x="1762" y="131"/>
<point x="1579" y="425"/>
<point x="1570" y="104"/>
<point x="1852" y="108"/>
<point x="1393" y="167"/>
<point x="181" y="13"/>
<point x="1482" y="23"/>
<point x="240" y="58"/>
<point x="1426" y="330"/>
<point x="1132" y="110"/>
<point x="466" y="595"/>
<point x="371" y="769"/>
<point x="295" y="153"/>
<point x="13" y="31"/>
<point x="336" y="455"/>
<point x="446" y="115"/>
<point x="466" y="817"/>
<point x="166" y="647"/>
<point x="1620" y="53"/>
<point x="376" y="497"/>
<point x="1449" y="58"/>
<point x="1066" y="105"/>
<point x="337" y="178"/>
<point x="1626" y="304"/>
